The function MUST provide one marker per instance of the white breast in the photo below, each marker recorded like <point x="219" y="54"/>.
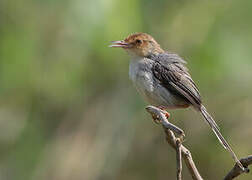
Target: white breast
<point x="142" y="77"/>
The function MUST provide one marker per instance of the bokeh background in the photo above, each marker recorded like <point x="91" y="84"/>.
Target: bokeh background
<point x="68" y="110"/>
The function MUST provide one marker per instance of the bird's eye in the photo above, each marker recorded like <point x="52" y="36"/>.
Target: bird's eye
<point x="138" y="41"/>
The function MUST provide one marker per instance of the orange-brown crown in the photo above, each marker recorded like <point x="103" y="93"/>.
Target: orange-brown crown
<point x="140" y="44"/>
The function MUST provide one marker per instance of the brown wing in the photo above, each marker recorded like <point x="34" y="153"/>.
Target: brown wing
<point x="175" y="77"/>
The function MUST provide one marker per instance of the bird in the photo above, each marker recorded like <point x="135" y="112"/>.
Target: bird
<point x="163" y="79"/>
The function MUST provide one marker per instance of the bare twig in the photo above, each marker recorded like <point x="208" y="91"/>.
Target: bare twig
<point x="236" y="171"/>
<point x="158" y="115"/>
<point x="179" y="160"/>
<point x="172" y="140"/>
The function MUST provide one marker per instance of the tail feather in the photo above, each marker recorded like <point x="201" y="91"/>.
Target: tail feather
<point x="208" y="117"/>
<point x="216" y="131"/>
<point x="214" y="127"/>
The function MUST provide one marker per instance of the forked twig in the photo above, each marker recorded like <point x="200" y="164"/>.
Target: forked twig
<point x="173" y="141"/>
<point x="176" y="143"/>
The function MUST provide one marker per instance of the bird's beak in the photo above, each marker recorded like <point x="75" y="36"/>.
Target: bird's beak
<point x="121" y="44"/>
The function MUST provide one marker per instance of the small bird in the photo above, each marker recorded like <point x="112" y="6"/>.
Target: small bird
<point x="163" y="80"/>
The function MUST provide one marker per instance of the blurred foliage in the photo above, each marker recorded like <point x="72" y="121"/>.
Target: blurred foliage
<point x="68" y="110"/>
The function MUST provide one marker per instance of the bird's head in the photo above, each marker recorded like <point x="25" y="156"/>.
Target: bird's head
<point x="139" y="44"/>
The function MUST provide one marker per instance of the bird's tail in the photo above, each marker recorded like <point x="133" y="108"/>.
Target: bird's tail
<point x="216" y="131"/>
<point x="214" y="126"/>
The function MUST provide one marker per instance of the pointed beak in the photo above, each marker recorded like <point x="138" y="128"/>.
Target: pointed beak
<point x="121" y="44"/>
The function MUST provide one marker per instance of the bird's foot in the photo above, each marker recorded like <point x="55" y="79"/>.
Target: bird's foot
<point x="156" y="119"/>
<point x="167" y="115"/>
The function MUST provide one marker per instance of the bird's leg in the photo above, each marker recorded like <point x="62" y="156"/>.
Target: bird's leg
<point x="164" y="109"/>
<point x="156" y="119"/>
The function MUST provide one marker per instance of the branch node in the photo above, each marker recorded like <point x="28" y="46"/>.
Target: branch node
<point x="176" y="143"/>
<point x="236" y="170"/>
<point x="158" y="116"/>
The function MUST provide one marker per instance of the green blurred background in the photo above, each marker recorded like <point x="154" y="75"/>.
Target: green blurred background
<point x="68" y="110"/>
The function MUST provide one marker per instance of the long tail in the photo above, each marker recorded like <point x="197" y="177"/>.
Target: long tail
<point x="214" y="126"/>
<point x="216" y="131"/>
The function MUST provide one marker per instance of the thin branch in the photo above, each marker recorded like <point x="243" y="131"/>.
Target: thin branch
<point x="158" y="115"/>
<point x="179" y="160"/>
<point x="172" y="140"/>
<point x="186" y="154"/>
<point x="236" y="170"/>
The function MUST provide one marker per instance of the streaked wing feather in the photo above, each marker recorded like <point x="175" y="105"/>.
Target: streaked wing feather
<point x="175" y="77"/>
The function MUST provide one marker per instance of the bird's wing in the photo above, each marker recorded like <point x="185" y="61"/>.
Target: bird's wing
<point x="169" y="69"/>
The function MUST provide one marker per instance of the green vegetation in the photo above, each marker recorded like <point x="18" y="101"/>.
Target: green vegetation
<point x="68" y="110"/>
